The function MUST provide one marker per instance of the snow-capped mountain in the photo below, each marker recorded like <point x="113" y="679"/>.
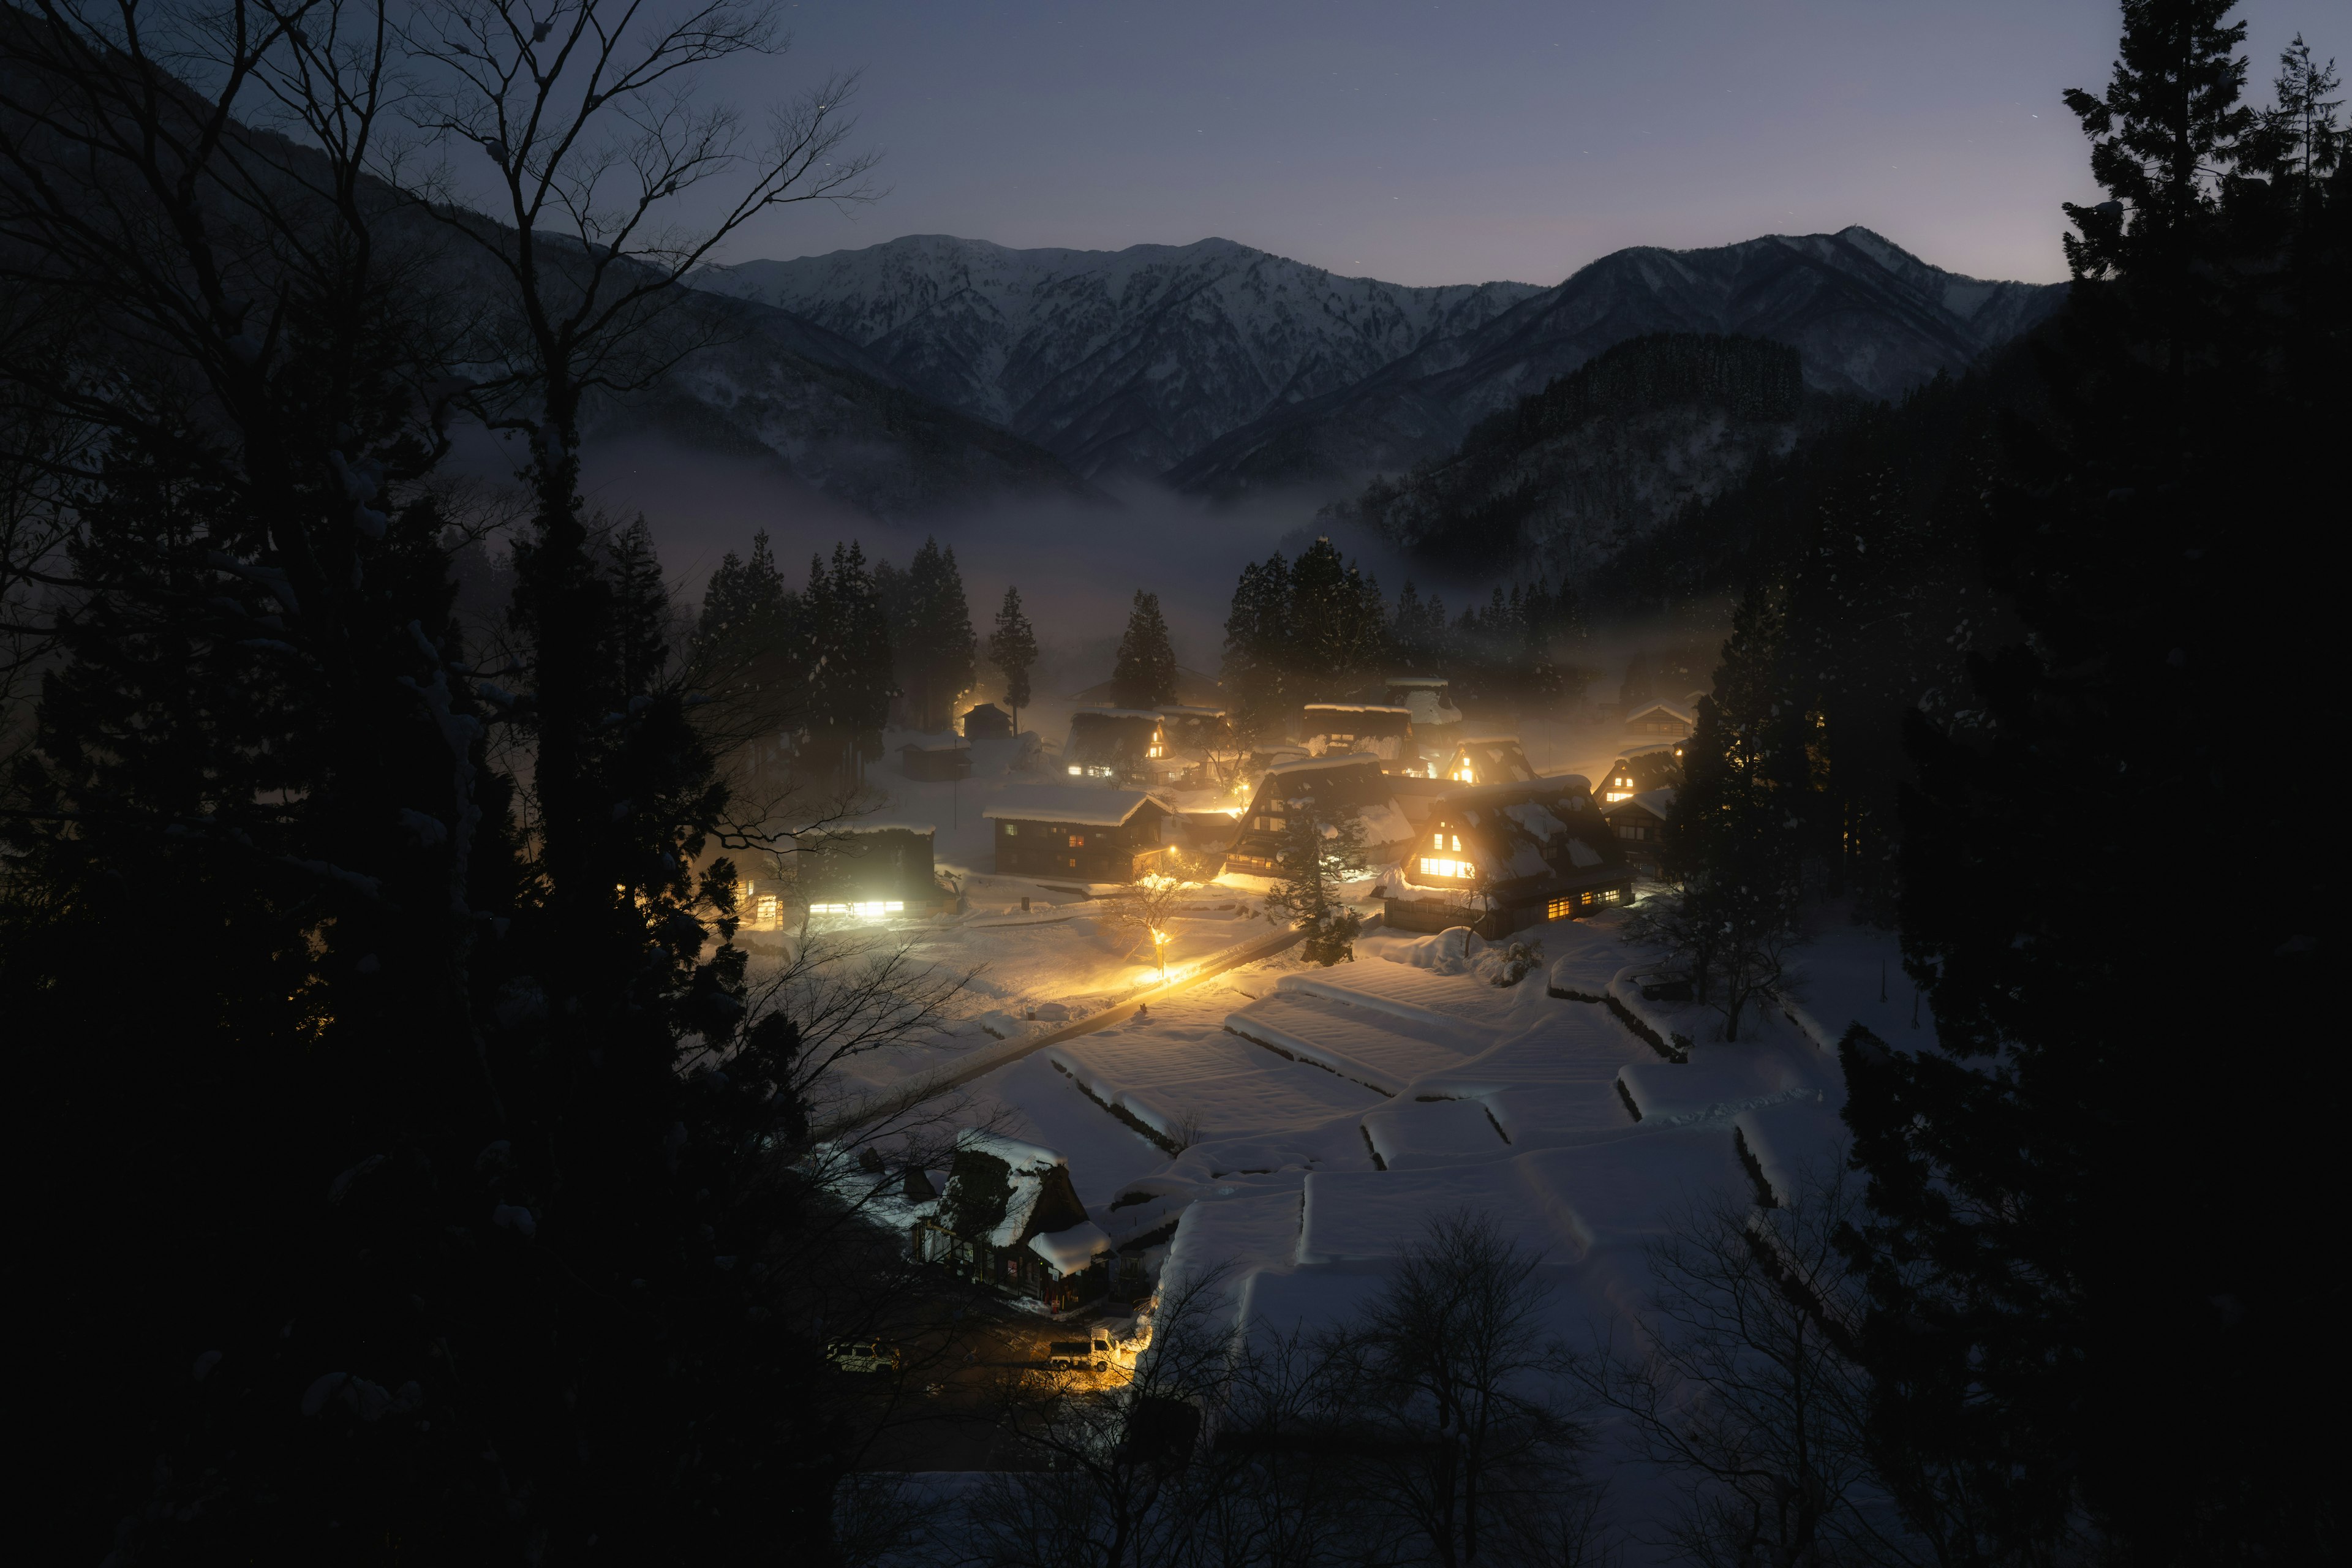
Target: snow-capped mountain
<point x="1866" y="317"/>
<point x="1130" y="360"/>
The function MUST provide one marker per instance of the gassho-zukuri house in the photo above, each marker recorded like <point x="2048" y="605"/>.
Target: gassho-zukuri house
<point x="872" y="869"/>
<point x="1011" y="1220"/>
<point x="1498" y="858"/>
<point x="1332" y="787"/>
<point x="1089" y="834"/>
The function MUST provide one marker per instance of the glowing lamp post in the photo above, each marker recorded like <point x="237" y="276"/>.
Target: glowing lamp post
<point x="1160" y="950"/>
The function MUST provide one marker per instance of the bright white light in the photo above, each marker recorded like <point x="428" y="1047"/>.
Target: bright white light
<point x="1077" y="771"/>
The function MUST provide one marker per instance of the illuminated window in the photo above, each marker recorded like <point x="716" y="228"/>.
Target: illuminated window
<point x="1076" y="770"/>
<point x="1011" y="830"/>
<point x="1559" y="909"/>
<point x="1430" y="866"/>
<point x="768" y="907"/>
<point x="1077" y="841"/>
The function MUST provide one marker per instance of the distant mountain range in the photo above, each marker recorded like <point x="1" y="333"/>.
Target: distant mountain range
<point x="1127" y="361"/>
<point x="1223" y="369"/>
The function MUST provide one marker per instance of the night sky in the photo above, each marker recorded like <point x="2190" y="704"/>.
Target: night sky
<point x="1498" y="139"/>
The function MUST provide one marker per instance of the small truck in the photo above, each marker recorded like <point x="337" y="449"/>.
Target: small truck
<point x="1079" y="1355"/>
<point x="863" y="1355"/>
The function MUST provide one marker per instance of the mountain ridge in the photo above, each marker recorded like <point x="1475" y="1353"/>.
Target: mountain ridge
<point x="1867" y="318"/>
<point x="1131" y="359"/>
<point x="1220" y="368"/>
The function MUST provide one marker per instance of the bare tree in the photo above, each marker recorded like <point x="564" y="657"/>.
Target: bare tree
<point x="1451" y="1378"/>
<point x="589" y="115"/>
<point x="1144" y="910"/>
<point x="1746" y="1387"/>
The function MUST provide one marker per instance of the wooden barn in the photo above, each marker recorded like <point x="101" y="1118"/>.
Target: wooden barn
<point x="987" y="721"/>
<point x="1011" y="1220"/>
<point x="1081" y="835"/>
<point x="1499" y="857"/>
<point x="871" y="869"/>
<point x="1485" y="760"/>
<point x="1349" y="785"/>
<point x="1660" y="720"/>
<point x="1365" y="730"/>
<point x="1638" y="824"/>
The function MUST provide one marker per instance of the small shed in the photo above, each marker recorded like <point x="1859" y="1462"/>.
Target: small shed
<point x="935" y="762"/>
<point x="872" y="868"/>
<point x="1498" y="858"/>
<point x="1086" y="835"/>
<point x="987" y="721"/>
<point x="1011" y="1220"/>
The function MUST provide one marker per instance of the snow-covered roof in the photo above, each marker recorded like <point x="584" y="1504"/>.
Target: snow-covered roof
<point x="1661" y="705"/>
<point x="1417" y="680"/>
<point x="881" y="824"/>
<point x="1107" y="713"/>
<point x="1630" y="752"/>
<point x="955" y="745"/>
<point x="1082" y="806"/>
<point x="1013" y="1152"/>
<point x="1069" y="1251"/>
<point x="1336" y="760"/>
<point x="1656" y="802"/>
<point x="1356" y="708"/>
<point x="1384" y="824"/>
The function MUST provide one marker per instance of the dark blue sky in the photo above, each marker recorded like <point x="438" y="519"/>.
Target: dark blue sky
<point x="1455" y="143"/>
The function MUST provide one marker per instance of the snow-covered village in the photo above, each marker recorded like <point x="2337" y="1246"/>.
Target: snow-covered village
<point x="752" y="814"/>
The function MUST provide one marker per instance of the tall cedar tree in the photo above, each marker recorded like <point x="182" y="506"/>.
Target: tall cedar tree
<point x="1145" y="673"/>
<point x="1257" y="683"/>
<point x="850" y="667"/>
<point x="1735" y="853"/>
<point x="2039" y="1331"/>
<point x="934" y="638"/>
<point x="1013" y="648"/>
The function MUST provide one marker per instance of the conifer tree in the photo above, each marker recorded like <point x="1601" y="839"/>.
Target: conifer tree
<point x="1145" y="673"/>
<point x="2037" y="1335"/>
<point x="1013" y="648"/>
<point x="1257" y="654"/>
<point x="1320" y="848"/>
<point x="935" y="644"/>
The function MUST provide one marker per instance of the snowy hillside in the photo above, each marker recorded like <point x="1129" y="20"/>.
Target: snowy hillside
<point x="1867" y="317"/>
<point x="1133" y="359"/>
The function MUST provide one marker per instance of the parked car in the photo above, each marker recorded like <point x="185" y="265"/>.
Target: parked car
<point x="863" y="1355"/>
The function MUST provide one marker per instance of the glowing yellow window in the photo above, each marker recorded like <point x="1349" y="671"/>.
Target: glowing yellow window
<point x="1559" y="909"/>
<point x="1431" y="866"/>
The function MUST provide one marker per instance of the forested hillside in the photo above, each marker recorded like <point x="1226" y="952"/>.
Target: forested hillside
<point x="1564" y="480"/>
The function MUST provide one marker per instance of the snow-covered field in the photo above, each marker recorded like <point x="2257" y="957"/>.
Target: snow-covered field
<point x="1292" y="1129"/>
